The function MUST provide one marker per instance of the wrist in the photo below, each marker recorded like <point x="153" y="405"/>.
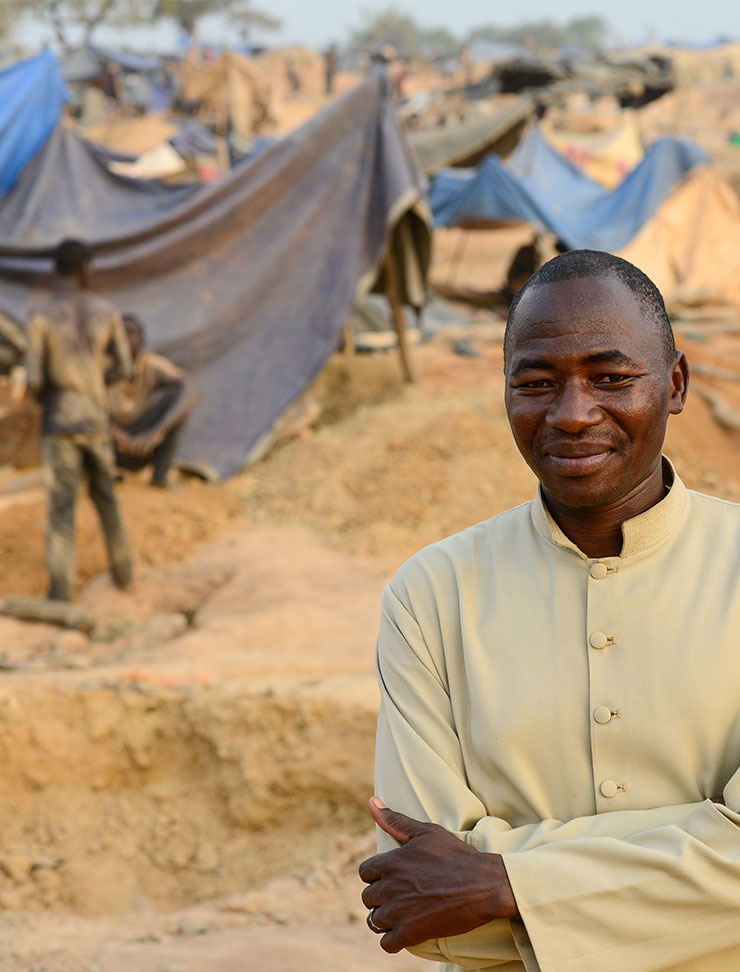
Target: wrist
<point x="501" y="902"/>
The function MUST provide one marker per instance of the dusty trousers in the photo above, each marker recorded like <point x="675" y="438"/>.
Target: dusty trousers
<point x="162" y="402"/>
<point x="66" y="460"/>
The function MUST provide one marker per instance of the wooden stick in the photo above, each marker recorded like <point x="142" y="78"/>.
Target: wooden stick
<point x="399" y="322"/>
<point x="456" y="258"/>
<point x="222" y="154"/>
<point x="60" y="613"/>
<point x="348" y="339"/>
<point x="709" y="371"/>
<point x="723" y="413"/>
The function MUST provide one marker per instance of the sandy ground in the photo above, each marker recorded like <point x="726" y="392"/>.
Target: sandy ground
<point x="185" y="789"/>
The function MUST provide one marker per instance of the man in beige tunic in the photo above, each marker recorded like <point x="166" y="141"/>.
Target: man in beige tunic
<point x="559" y="735"/>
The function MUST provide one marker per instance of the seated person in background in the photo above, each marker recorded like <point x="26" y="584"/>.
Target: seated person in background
<point x="148" y="411"/>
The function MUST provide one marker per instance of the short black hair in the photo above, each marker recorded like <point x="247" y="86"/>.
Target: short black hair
<point x="576" y="264"/>
<point x="134" y="321"/>
<point x="71" y="257"/>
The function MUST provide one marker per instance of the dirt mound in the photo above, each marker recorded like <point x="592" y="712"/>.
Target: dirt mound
<point x="131" y="795"/>
<point x="309" y="919"/>
<point x="407" y="473"/>
<point x="157" y="765"/>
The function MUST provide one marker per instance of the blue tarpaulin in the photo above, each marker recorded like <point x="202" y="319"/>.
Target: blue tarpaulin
<point x="538" y="185"/>
<point x="32" y="94"/>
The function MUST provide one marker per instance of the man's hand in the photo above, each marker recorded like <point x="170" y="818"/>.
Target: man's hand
<point x="434" y="886"/>
<point x="138" y="446"/>
<point x="121" y="438"/>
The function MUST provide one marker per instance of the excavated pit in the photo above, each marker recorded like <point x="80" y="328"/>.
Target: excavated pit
<point x="118" y="797"/>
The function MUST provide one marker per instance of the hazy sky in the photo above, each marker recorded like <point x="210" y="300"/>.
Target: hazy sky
<point x="316" y="23"/>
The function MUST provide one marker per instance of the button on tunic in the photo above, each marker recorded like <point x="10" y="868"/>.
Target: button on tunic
<point x="575" y="715"/>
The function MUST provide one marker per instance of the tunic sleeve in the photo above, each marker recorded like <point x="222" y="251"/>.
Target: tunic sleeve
<point x="420" y="772"/>
<point x="644" y="890"/>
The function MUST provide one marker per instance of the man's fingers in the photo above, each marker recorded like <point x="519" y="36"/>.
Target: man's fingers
<point x="369" y="870"/>
<point x="391" y="942"/>
<point x="396" y="825"/>
<point x="370" y="896"/>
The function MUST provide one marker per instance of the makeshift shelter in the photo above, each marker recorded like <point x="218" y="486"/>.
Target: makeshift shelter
<point x="132" y="136"/>
<point x="67" y="190"/>
<point x="702" y="64"/>
<point x="693" y="241"/>
<point x="539" y="186"/>
<point x="307" y="65"/>
<point x="607" y="156"/>
<point x="140" y="81"/>
<point x="471" y="140"/>
<point x="81" y="65"/>
<point x="32" y="95"/>
<point x="247" y="282"/>
<point x="228" y="91"/>
<point x="87" y="63"/>
<point x="709" y="114"/>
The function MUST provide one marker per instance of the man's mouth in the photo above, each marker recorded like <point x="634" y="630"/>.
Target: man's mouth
<point x="575" y="459"/>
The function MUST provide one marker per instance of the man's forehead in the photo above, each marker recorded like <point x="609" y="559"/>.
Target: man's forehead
<point x="599" y="298"/>
<point x="584" y="330"/>
<point x="584" y="311"/>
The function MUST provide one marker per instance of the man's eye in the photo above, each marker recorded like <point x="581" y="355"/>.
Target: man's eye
<point x="614" y="379"/>
<point x="536" y="383"/>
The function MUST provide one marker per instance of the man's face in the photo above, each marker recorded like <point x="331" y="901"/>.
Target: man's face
<point x="135" y="337"/>
<point x="589" y="389"/>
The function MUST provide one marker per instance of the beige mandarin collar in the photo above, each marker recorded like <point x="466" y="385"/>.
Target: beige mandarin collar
<point x="638" y="534"/>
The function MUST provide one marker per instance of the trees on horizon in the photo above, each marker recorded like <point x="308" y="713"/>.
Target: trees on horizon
<point x="400" y="30"/>
<point x="74" y="22"/>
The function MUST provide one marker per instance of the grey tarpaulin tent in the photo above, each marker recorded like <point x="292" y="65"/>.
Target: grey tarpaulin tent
<point x="469" y="141"/>
<point x="246" y="282"/>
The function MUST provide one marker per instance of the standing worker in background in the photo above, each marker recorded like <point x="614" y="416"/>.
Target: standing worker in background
<point x="76" y="346"/>
<point x="148" y="409"/>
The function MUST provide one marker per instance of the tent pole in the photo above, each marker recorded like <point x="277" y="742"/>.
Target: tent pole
<point x="348" y="339"/>
<point x="399" y="322"/>
<point x="222" y="153"/>
<point x="456" y="258"/>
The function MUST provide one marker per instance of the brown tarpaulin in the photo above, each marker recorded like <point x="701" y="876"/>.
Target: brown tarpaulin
<point x="230" y="89"/>
<point x="693" y="241"/>
<point x="247" y="282"/>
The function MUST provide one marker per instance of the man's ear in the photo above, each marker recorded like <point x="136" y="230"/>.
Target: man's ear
<point x="680" y="374"/>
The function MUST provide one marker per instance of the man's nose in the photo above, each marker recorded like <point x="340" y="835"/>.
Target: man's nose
<point x="574" y="409"/>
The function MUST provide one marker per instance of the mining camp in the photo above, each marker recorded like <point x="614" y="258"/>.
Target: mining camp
<point x="256" y="267"/>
